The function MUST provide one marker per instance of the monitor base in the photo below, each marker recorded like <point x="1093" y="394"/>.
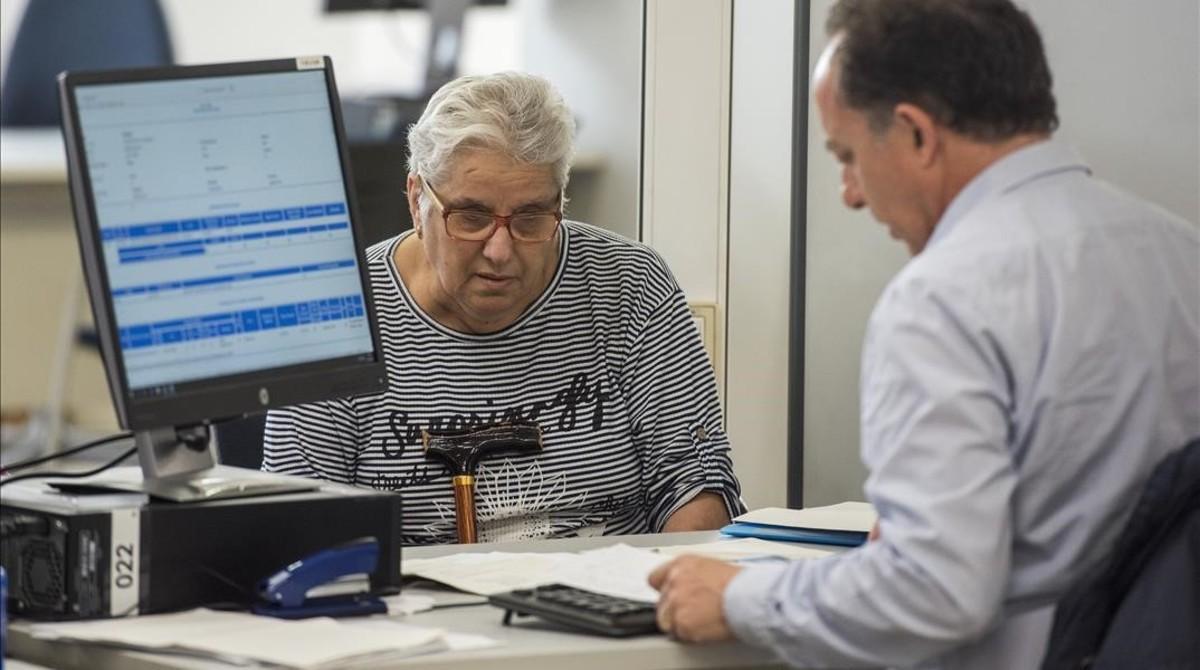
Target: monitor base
<point x="217" y="483"/>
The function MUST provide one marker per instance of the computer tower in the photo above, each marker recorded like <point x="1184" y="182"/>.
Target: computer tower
<point x="92" y="556"/>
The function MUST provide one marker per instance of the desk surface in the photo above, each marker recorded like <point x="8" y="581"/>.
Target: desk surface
<point x="526" y="645"/>
<point x="32" y="156"/>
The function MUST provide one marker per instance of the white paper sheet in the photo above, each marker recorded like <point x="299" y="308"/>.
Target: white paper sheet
<point x="454" y="641"/>
<point x="851" y="516"/>
<point x="487" y="573"/>
<point x="742" y="549"/>
<point x="407" y="603"/>
<point x="619" y="570"/>
<point x="307" y="644"/>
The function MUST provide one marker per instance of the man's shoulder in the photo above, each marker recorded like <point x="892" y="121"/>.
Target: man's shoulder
<point x="1041" y="233"/>
<point x="1063" y="209"/>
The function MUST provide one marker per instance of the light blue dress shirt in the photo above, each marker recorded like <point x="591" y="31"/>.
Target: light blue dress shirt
<point x="1020" y="379"/>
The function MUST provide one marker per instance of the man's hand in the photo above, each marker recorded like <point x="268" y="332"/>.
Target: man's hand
<point x="691" y="590"/>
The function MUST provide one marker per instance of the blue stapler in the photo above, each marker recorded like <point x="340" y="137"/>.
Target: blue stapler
<point x="290" y="593"/>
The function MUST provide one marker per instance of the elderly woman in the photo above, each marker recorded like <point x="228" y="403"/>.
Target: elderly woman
<point x="495" y="308"/>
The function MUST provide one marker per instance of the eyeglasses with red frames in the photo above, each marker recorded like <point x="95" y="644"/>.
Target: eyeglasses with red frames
<point x="470" y="225"/>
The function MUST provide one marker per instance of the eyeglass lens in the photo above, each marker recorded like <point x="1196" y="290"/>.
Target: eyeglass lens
<point x="532" y="227"/>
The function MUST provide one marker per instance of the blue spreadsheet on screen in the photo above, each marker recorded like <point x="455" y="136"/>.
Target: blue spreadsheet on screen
<point x="222" y="214"/>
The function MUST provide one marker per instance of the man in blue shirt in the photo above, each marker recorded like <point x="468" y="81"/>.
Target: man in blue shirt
<point x="1021" y="376"/>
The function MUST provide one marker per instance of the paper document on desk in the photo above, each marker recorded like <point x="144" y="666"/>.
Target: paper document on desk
<point x="742" y="549"/>
<point x="847" y="516"/>
<point x="845" y="524"/>
<point x="238" y="638"/>
<point x="454" y="641"/>
<point x="619" y="570"/>
<point x="485" y="573"/>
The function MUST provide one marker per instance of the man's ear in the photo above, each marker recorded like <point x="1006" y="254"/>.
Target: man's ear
<point x="922" y="130"/>
<point x="412" y="190"/>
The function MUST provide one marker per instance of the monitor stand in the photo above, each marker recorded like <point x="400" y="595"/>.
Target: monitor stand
<point x="180" y="464"/>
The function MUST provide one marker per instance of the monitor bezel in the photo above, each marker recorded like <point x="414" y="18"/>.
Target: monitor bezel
<point x="210" y="399"/>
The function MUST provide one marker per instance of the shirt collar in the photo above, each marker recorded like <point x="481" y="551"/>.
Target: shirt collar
<point x="1027" y="164"/>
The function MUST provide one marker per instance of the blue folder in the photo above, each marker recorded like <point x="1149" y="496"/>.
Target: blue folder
<point x="841" y="538"/>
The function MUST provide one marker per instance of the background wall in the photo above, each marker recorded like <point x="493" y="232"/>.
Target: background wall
<point x="593" y="52"/>
<point x="760" y="198"/>
<point x="373" y="51"/>
<point x="1126" y="75"/>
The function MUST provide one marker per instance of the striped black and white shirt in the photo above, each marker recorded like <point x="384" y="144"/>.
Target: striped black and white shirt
<point x="606" y="361"/>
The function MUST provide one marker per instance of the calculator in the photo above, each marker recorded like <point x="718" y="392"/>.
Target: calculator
<point x="578" y="608"/>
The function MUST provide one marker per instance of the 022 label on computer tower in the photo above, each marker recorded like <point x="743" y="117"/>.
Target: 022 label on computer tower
<point x="124" y="552"/>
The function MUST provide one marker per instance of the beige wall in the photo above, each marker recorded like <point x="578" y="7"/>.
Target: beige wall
<point x="760" y="186"/>
<point x="38" y="264"/>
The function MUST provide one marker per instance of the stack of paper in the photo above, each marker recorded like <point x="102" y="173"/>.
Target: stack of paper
<point x="241" y="639"/>
<point x="845" y="524"/>
<point x="619" y="570"/>
<point x="744" y="549"/>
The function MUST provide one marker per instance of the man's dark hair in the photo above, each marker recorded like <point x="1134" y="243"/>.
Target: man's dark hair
<point x="976" y="66"/>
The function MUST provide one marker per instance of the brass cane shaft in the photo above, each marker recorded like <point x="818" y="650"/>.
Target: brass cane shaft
<point x="464" y="508"/>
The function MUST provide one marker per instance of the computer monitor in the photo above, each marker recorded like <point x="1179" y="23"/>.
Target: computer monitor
<point x="218" y="232"/>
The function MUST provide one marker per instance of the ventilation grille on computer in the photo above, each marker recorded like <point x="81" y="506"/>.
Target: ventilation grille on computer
<point x="43" y="576"/>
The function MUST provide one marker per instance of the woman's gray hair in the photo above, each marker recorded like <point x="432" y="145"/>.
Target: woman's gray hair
<point x="520" y="115"/>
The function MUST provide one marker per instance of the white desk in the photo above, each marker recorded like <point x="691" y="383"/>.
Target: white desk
<point x="32" y="156"/>
<point x="526" y="645"/>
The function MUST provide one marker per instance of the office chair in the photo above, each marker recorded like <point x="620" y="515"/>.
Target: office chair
<point x="1141" y="606"/>
<point x="57" y="35"/>
<point x="240" y="441"/>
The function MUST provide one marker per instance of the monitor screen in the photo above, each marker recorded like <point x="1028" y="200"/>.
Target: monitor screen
<point x="220" y="233"/>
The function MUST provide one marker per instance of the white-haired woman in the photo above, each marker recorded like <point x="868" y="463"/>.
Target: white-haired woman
<point x="494" y="308"/>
